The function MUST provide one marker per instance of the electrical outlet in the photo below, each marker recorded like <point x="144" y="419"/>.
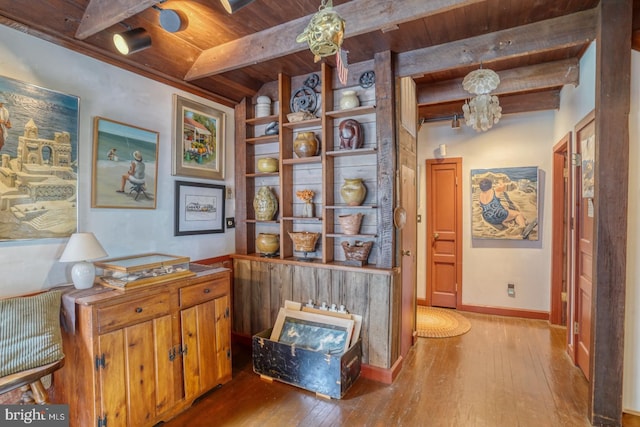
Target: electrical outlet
<point x="511" y="289"/>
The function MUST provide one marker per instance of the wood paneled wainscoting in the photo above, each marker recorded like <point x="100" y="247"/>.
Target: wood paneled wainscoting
<point x="261" y="287"/>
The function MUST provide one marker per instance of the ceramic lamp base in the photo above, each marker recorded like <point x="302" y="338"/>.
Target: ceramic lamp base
<point x="83" y="275"/>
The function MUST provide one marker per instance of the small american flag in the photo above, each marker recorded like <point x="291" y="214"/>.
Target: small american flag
<point x="341" y="63"/>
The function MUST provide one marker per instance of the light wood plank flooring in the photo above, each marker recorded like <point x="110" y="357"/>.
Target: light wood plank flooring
<point x="503" y="372"/>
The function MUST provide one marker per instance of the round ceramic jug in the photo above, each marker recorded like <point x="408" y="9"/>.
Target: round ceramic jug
<point x="349" y="100"/>
<point x="268" y="243"/>
<point x="353" y="191"/>
<point x="265" y="204"/>
<point x="306" y="144"/>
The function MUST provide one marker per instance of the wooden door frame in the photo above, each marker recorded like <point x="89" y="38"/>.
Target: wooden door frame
<point x="429" y="226"/>
<point x="561" y="154"/>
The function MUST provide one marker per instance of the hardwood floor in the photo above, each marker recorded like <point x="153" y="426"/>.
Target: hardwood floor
<point x="503" y="372"/>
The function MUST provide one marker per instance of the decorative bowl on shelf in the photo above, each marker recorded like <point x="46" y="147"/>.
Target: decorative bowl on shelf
<point x="268" y="164"/>
<point x="268" y="244"/>
<point x="300" y="116"/>
<point x="358" y="253"/>
<point x="304" y="241"/>
<point x="306" y="144"/>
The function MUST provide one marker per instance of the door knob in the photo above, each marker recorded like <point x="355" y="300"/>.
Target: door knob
<point x="405" y="253"/>
<point x="436" y="236"/>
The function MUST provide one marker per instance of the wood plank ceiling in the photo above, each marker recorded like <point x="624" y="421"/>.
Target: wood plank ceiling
<point x="534" y="45"/>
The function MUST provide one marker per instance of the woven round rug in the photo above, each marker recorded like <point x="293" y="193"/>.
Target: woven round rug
<point x="433" y="322"/>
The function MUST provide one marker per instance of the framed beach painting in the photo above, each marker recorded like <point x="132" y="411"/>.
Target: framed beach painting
<point x="199" y="208"/>
<point x="39" y="148"/>
<point x="198" y="140"/>
<point x="125" y="166"/>
<point x="504" y="203"/>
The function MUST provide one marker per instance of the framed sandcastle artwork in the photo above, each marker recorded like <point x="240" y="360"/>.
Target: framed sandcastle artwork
<point x="39" y="143"/>
<point x="504" y="203"/>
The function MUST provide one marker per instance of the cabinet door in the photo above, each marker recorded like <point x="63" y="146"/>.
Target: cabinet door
<point x="223" y="338"/>
<point x="206" y="337"/>
<point x="137" y="380"/>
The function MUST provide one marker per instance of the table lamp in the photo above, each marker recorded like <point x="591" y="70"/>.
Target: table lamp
<point x="82" y="248"/>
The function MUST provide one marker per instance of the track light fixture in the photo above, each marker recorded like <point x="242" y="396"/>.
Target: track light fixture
<point x="172" y="20"/>
<point x="132" y="41"/>
<point x="232" y="6"/>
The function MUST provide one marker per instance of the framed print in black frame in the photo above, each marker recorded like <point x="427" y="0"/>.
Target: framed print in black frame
<point x="199" y="208"/>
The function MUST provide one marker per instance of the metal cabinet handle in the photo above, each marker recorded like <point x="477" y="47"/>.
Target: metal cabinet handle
<point x="207" y="290"/>
<point x="138" y="309"/>
<point x="436" y="236"/>
<point x="405" y="253"/>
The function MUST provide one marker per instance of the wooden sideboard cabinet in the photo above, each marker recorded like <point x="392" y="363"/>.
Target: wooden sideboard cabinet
<point x="141" y="356"/>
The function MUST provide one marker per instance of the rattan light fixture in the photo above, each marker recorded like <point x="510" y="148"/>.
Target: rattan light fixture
<point x="482" y="111"/>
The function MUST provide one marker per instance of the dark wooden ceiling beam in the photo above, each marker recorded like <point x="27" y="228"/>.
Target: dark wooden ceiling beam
<point x="533" y="78"/>
<point x="565" y="31"/>
<point x="361" y="16"/>
<point x="516" y="103"/>
<point x="101" y="14"/>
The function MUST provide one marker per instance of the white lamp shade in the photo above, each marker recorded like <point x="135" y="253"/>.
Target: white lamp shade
<point x="83" y="247"/>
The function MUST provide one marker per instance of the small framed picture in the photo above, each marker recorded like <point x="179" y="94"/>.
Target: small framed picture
<point x="199" y="208"/>
<point x="198" y="140"/>
<point x="125" y="166"/>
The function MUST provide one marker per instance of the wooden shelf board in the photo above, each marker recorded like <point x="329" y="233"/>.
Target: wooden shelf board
<point x="358" y="111"/>
<point x="361" y="236"/>
<point x="261" y="174"/>
<point x="302" y="160"/>
<point x="257" y="221"/>
<point x="266" y="139"/>
<point x="303" y="124"/>
<point x="262" y="120"/>
<point x="301" y="218"/>
<point x="351" y="207"/>
<point x="355" y="152"/>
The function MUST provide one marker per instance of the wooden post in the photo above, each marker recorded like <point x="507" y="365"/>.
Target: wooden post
<point x="385" y="129"/>
<point x="613" y="76"/>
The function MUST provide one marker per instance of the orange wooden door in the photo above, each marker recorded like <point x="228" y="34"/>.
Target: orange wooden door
<point x="444" y="233"/>
<point x="584" y="251"/>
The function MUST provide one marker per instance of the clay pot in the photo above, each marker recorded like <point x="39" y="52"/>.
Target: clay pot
<point x="265" y="204"/>
<point x="349" y="100"/>
<point x="350" y="223"/>
<point x="304" y="241"/>
<point x="268" y="164"/>
<point x="306" y="144"/>
<point x="353" y="191"/>
<point x="268" y="243"/>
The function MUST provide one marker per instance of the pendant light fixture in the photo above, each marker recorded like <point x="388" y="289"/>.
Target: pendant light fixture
<point x="132" y="40"/>
<point x="232" y="6"/>
<point x="483" y="110"/>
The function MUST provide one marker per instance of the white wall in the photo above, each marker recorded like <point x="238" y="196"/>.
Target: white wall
<point x="488" y="265"/>
<point x="119" y="95"/>
<point x="631" y="385"/>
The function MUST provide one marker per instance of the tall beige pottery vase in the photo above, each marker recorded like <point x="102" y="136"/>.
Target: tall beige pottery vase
<point x="265" y="204"/>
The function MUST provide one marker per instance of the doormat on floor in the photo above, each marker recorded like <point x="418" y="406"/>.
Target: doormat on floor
<point x="432" y="322"/>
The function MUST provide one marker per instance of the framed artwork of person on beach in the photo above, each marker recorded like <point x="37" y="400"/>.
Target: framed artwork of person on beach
<point x="39" y="159"/>
<point x="198" y="140"/>
<point x="125" y="166"/>
<point x="504" y="203"/>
